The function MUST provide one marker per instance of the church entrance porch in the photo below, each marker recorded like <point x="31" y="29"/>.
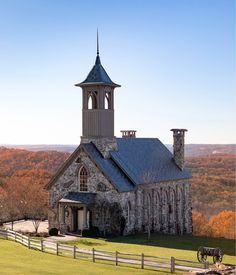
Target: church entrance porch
<point x="80" y="218"/>
<point x="75" y="212"/>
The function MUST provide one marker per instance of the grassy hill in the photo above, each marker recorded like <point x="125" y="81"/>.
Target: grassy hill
<point x="17" y="259"/>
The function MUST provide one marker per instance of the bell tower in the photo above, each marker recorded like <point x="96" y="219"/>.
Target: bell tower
<point x="98" y="104"/>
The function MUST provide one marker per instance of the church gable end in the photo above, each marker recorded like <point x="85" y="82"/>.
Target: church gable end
<point x="80" y="175"/>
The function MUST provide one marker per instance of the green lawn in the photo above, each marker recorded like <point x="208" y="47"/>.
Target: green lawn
<point x="181" y="247"/>
<point x="16" y="259"/>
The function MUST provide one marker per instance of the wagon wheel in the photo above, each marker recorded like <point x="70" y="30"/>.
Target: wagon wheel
<point x="218" y="258"/>
<point x="201" y="257"/>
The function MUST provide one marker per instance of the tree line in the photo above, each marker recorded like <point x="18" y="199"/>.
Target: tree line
<point x="24" y="175"/>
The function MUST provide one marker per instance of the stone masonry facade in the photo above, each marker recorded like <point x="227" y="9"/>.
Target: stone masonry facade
<point x="161" y="207"/>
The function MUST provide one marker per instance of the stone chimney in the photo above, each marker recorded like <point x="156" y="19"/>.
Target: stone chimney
<point x="128" y="133"/>
<point x="178" y="147"/>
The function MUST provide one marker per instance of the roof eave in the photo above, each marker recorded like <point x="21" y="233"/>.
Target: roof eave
<point x="62" y="168"/>
<point x="84" y="84"/>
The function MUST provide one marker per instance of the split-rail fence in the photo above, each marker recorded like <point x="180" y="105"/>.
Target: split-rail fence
<point x="94" y="255"/>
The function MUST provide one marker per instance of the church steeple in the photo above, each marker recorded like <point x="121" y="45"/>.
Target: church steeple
<point x="98" y="102"/>
<point x="98" y="61"/>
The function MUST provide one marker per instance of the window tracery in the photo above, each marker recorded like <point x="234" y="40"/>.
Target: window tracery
<point x="83" y="179"/>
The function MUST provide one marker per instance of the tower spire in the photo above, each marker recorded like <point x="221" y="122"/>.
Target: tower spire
<point x="97" y="43"/>
<point x="98" y="61"/>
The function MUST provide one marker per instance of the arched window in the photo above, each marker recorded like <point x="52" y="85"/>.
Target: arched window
<point x="165" y="209"/>
<point x="158" y="212"/>
<point x="92" y="100"/>
<point x="83" y="179"/>
<point x="90" y="103"/>
<point x="149" y="206"/>
<point x="128" y="212"/>
<point x="107" y="102"/>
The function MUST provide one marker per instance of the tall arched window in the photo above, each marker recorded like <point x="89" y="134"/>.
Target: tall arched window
<point x="172" y="211"/>
<point x="83" y="179"/>
<point x="165" y="209"/>
<point x="149" y="206"/>
<point x="128" y="212"/>
<point x="158" y="212"/>
<point x="92" y="100"/>
<point x="107" y="102"/>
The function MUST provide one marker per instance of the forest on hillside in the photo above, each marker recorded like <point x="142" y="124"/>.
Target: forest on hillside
<point x="24" y="174"/>
<point x="213" y="183"/>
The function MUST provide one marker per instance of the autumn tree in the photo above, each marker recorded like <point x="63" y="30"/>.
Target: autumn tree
<point x="37" y="206"/>
<point x="10" y="204"/>
<point x="223" y="225"/>
<point x="25" y="197"/>
<point x="199" y="224"/>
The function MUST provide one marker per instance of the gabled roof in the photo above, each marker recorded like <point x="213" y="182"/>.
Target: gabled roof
<point x="78" y="197"/>
<point x="107" y="166"/>
<point x="147" y="160"/>
<point x="98" y="76"/>
<point x="137" y="161"/>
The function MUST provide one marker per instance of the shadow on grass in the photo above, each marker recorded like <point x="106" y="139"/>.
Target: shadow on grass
<point x="185" y="242"/>
<point x="83" y="241"/>
<point x="88" y="243"/>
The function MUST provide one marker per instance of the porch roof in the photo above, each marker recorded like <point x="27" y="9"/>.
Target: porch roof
<point x="78" y="197"/>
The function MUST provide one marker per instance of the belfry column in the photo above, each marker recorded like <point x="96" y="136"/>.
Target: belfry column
<point x="62" y="218"/>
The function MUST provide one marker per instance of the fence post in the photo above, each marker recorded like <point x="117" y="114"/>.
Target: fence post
<point x="116" y="257"/>
<point x="172" y="264"/>
<point x="15" y="236"/>
<point x="28" y="242"/>
<point x="206" y="265"/>
<point x="22" y="240"/>
<point x="93" y="254"/>
<point x="142" y="260"/>
<point x="41" y="245"/>
<point x="74" y="252"/>
<point x="57" y="249"/>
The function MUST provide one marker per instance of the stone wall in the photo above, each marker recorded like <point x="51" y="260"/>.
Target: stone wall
<point x="163" y="207"/>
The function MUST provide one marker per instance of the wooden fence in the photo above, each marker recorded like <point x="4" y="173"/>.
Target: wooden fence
<point x="136" y="260"/>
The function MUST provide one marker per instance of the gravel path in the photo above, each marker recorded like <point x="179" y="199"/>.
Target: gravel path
<point x="27" y="226"/>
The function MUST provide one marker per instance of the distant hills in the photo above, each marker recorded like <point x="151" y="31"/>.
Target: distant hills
<point x="191" y="150"/>
<point x="212" y="168"/>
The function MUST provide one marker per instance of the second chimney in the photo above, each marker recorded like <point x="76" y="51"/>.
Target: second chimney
<point x="128" y="133"/>
<point x="178" y="147"/>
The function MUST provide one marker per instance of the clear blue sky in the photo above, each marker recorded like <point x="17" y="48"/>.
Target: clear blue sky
<point x="175" y="60"/>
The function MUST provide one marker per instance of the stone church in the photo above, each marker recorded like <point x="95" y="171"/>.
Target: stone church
<point x="119" y="185"/>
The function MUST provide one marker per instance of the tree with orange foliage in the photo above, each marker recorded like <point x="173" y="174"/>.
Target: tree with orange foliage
<point x="25" y="197"/>
<point x="199" y="224"/>
<point x="10" y="205"/>
<point x="223" y="225"/>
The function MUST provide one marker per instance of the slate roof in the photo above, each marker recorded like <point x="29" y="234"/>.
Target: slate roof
<point x="79" y="197"/>
<point x="147" y="160"/>
<point x="97" y="75"/>
<point x="117" y="177"/>
<point x="137" y="161"/>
